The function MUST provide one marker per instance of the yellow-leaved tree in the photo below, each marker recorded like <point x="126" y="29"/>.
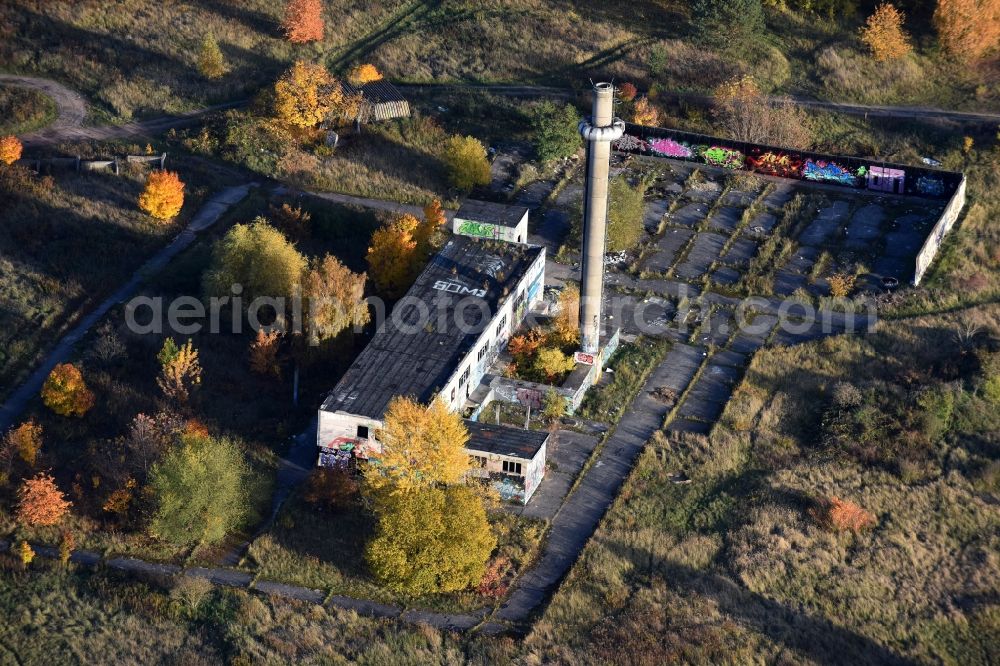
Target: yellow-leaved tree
<point x="307" y="94"/>
<point x="392" y="256"/>
<point x="26" y="439"/>
<point x="211" y="62"/>
<point x="883" y="33"/>
<point x="434" y="219"/>
<point x="422" y="446"/>
<point x="334" y="297"/>
<point x="163" y="195"/>
<point x="566" y="325"/>
<point x="258" y="258"/>
<point x="180" y="370"/>
<point x="465" y="158"/>
<point x="968" y="29"/>
<point x="644" y="113"/>
<point x="10" y="149"/>
<point x="430" y="540"/>
<point x="65" y="392"/>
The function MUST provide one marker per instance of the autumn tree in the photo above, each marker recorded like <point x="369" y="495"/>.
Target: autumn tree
<point x="745" y="113"/>
<point x="40" y="502"/>
<point x="465" y="159"/>
<point x="26" y="440"/>
<point x="556" y="131"/>
<point x="644" y="113"/>
<point x="10" y="149"/>
<point x="551" y="363"/>
<point x="163" y="195"/>
<point x="883" y="33"/>
<point x="627" y="92"/>
<point x="392" y="256"/>
<point x="257" y="257"/>
<point x="65" y="392"/>
<point x="264" y="353"/>
<point x="363" y="74"/>
<point x="430" y="540"/>
<point x="211" y="63"/>
<point x="293" y="221"/>
<point x="307" y="94"/>
<point x="554" y="406"/>
<point x="434" y="219"/>
<point x="566" y="324"/>
<point x="421" y="447"/>
<point x="335" y="298"/>
<point x="968" y="29"/>
<point x="199" y="489"/>
<point x="181" y="373"/>
<point x="25" y="553"/>
<point x="303" y="21"/>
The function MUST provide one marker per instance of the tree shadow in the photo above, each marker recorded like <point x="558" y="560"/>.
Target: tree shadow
<point x="236" y="11"/>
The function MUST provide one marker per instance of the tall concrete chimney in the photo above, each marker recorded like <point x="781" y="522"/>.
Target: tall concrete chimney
<point x="599" y="131"/>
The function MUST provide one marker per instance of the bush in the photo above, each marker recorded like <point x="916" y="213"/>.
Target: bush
<point x="330" y="489"/>
<point x="839" y="515"/>
<point x="465" y="159"/>
<point x="10" y="149"/>
<point x="163" y="195"/>
<point x="65" y="392"/>
<point x="211" y="64"/>
<point x="735" y="23"/>
<point x="556" y="131"/>
<point x="552" y="364"/>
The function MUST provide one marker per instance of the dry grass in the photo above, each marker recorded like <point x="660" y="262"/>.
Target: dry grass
<point x="733" y="567"/>
<point x="23" y="110"/>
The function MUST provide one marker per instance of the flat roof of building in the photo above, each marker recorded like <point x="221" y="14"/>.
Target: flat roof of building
<point x="492" y="213"/>
<point x="504" y="440"/>
<point x="405" y="358"/>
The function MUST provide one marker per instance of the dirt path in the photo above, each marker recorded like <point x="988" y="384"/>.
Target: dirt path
<point x="70" y="105"/>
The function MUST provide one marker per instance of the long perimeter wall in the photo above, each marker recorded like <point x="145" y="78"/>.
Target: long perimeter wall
<point x="851" y="172"/>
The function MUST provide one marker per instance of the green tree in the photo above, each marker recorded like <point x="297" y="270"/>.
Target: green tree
<point x="551" y="363"/>
<point x="556" y="132"/>
<point x="624" y="215"/>
<point x="465" y="158"/>
<point x="211" y="63"/>
<point x="200" y="492"/>
<point x="430" y="540"/>
<point x="258" y="257"/>
<point x="554" y="406"/>
<point x="727" y="24"/>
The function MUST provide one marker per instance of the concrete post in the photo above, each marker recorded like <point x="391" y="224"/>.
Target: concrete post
<point x="598" y="132"/>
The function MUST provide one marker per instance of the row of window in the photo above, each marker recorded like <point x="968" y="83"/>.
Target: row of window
<point x="509" y="466"/>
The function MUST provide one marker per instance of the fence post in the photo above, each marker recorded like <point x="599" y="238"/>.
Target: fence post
<point x="78" y="164"/>
<point x="163" y="159"/>
<point x="116" y="165"/>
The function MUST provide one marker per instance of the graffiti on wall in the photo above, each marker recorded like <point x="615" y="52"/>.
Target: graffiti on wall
<point x="478" y="229"/>
<point x="509" y="488"/>
<point x="630" y="143"/>
<point x="831" y="172"/>
<point x="776" y="164"/>
<point x="530" y="397"/>
<point x="670" y="148"/>
<point x="930" y="186"/>
<point x="727" y="158"/>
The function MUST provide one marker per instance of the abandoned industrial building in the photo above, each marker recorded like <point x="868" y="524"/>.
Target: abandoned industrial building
<point x="484" y="219"/>
<point x="438" y="343"/>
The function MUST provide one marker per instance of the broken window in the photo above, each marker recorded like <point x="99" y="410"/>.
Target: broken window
<point x="512" y="467"/>
<point x="362" y="432"/>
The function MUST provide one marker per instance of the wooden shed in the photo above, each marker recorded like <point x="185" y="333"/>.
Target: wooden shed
<point x="380" y="100"/>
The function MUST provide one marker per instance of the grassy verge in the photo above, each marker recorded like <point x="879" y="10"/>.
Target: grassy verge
<point x="629" y="367"/>
<point x="23" y="110"/>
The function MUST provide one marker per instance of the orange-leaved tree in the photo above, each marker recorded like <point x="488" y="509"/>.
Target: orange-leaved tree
<point x="840" y="515"/>
<point x="363" y="74"/>
<point x="163" y="196"/>
<point x="627" y="92"/>
<point x="644" y="113"/>
<point x="307" y="94"/>
<point x="65" y="392"/>
<point x="392" y="257"/>
<point x="303" y="21"/>
<point x="10" y="149"/>
<point x="40" y="502"/>
<point x="434" y="219"/>
<point x="264" y="353"/>
<point x="968" y="29"/>
<point x="883" y="33"/>
<point x="26" y="439"/>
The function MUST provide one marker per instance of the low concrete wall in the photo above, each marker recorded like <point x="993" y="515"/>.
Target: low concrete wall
<point x="936" y="237"/>
<point x="78" y="164"/>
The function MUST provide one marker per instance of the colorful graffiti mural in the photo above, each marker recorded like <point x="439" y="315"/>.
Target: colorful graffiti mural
<point x="776" y="164"/>
<point x="930" y="186"/>
<point x="727" y="158"/>
<point x="629" y="142"/>
<point x="478" y="229"/>
<point x="831" y="172"/>
<point x="670" y="148"/>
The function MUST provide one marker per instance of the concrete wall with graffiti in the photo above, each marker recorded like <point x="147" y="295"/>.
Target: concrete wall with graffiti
<point x="853" y="172"/>
<point x="936" y="237"/>
<point x="486" y="230"/>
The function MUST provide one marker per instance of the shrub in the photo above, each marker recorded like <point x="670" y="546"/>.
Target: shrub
<point x="163" y="195"/>
<point x="627" y="92"/>
<point x="644" y="113"/>
<point x="211" y="64"/>
<point x="552" y="364"/>
<point x="556" y="132"/>
<point x="840" y="515"/>
<point x="493" y="581"/>
<point x="884" y="35"/>
<point x="10" y="149"/>
<point x="363" y="74"/>
<point x="465" y="159"/>
<point x="841" y="284"/>
<point x="190" y="590"/>
<point x="264" y="353"/>
<point x="181" y="372"/>
<point x="66" y="545"/>
<point x="746" y="114"/>
<point x="295" y="223"/>
<point x="65" y="392"/>
<point x="554" y="406"/>
<point x="40" y="502"/>
<point x="303" y="21"/>
<point x="26" y="439"/>
<point x="25" y="553"/>
<point x="330" y="488"/>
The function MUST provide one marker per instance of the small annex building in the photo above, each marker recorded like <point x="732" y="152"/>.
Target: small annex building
<point x="512" y="460"/>
<point x="380" y="100"/>
<point x="485" y="219"/>
<point x="438" y="343"/>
